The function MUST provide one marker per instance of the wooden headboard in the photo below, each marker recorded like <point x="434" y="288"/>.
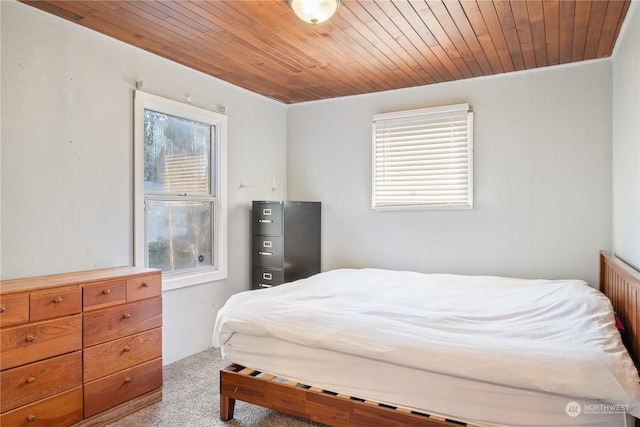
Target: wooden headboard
<point x="621" y="283"/>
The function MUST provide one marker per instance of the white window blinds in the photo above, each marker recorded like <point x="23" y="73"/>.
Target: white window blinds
<point x="423" y="158"/>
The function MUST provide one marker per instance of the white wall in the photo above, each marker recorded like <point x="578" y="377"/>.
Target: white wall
<point x="542" y="177"/>
<point x="67" y="159"/>
<point x="542" y="167"/>
<point x="626" y="140"/>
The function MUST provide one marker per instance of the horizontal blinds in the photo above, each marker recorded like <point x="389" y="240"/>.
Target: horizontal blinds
<point x="423" y="158"/>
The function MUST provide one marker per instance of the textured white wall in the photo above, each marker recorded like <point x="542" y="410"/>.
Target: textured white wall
<point x="626" y="140"/>
<point x="67" y="159"/>
<point x="542" y="167"/>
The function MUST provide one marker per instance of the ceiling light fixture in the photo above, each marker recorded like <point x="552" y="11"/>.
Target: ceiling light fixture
<point x="314" y="11"/>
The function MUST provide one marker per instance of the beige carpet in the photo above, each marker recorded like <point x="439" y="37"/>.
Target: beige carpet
<point x="190" y="399"/>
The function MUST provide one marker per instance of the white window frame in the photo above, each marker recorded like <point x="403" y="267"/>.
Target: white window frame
<point x="142" y="102"/>
<point x="456" y="148"/>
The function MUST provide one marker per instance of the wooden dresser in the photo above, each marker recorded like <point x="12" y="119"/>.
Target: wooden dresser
<point x="80" y="348"/>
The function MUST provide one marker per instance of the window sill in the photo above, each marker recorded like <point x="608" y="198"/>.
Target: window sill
<point x="177" y="281"/>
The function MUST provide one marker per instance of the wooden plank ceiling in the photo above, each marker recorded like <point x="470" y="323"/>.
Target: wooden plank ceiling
<point x="367" y="46"/>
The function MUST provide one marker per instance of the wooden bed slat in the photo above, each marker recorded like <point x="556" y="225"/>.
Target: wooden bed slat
<point x="315" y="404"/>
<point x="621" y="283"/>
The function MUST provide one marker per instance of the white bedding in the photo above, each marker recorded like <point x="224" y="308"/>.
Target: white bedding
<point x="476" y="403"/>
<point x="546" y="336"/>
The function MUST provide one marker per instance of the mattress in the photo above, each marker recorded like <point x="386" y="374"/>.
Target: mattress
<point x="548" y="342"/>
<point x="472" y="402"/>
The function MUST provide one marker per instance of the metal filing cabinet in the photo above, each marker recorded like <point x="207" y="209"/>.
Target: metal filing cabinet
<point x="286" y="241"/>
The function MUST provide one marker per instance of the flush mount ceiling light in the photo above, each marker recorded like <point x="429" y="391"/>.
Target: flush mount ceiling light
<point x="314" y="11"/>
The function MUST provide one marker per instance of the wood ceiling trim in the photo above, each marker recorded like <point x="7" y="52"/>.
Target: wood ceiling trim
<point x="367" y="46"/>
<point x="523" y="31"/>
<point x="580" y="29"/>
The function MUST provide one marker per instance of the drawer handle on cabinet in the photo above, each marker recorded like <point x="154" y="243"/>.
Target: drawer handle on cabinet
<point x="265" y="253"/>
<point x="106" y="291"/>
<point x="31" y="380"/>
<point x="126" y="315"/>
<point x="31" y="418"/>
<point x="127" y="348"/>
<point x="31" y="338"/>
<point x="2" y="309"/>
<point x="57" y="300"/>
<point x="144" y="284"/>
<point x="127" y="380"/>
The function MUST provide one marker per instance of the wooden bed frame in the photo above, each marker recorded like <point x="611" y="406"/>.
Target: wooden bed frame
<point x="618" y="281"/>
<point x="621" y="283"/>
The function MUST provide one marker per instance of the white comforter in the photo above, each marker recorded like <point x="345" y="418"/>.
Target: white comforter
<point x="552" y="336"/>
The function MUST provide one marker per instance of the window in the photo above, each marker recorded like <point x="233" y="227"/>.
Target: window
<point x="180" y="210"/>
<point x="423" y="158"/>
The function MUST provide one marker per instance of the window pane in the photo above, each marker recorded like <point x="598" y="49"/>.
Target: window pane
<point x="179" y="234"/>
<point x="177" y="154"/>
<point x="423" y="158"/>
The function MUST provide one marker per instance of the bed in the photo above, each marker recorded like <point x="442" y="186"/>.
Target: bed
<point x="382" y="348"/>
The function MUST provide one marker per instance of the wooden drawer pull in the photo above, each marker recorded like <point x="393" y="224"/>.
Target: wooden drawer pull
<point x="31" y="380"/>
<point x="31" y="338"/>
<point x="127" y="380"/>
<point x="2" y="309"/>
<point x="31" y="418"/>
<point x="126" y="315"/>
<point x="106" y="291"/>
<point x="57" y="300"/>
<point x="127" y="348"/>
<point x="144" y="284"/>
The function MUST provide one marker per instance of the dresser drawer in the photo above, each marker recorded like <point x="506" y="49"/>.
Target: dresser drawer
<point x="35" y="381"/>
<point x="14" y="309"/>
<point x="117" y="388"/>
<point x="104" y="359"/>
<point x="117" y="322"/>
<point x="104" y="294"/>
<point x="37" y="341"/>
<point x="267" y="218"/>
<point x="57" y="303"/>
<point x="143" y="287"/>
<point x="267" y="251"/>
<point x="62" y="409"/>
<point x="267" y="277"/>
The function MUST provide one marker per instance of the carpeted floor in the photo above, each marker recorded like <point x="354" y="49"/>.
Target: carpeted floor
<point x="190" y="399"/>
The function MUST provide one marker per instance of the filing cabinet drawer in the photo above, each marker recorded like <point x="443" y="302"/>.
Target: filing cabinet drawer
<point x="14" y="309"/>
<point x="62" y="409"/>
<point x="267" y="251"/>
<point x="144" y="287"/>
<point x="29" y="383"/>
<point x="267" y="218"/>
<point x="104" y="294"/>
<point x="36" y="341"/>
<point x="115" y="322"/>
<point x="266" y="277"/>
<point x="104" y="359"/>
<point x="60" y="302"/>
<point x="114" y="389"/>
